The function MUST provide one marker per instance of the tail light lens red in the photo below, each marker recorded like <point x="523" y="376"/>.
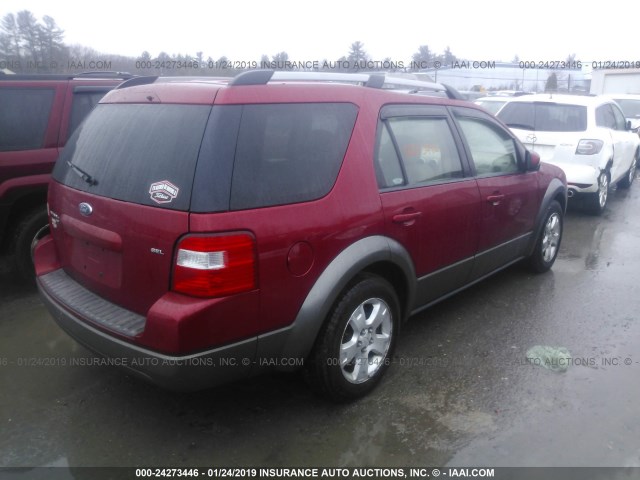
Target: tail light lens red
<point x="216" y="265"/>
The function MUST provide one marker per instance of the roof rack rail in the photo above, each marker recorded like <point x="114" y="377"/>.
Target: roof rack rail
<point x="132" y="82"/>
<point x="453" y="93"/>
<point x="371" y="80"/>
<point x="106" y="74"/>
<point x="66" y="76"/>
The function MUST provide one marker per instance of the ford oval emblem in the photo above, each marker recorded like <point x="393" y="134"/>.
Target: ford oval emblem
<point x="85" y="209"/>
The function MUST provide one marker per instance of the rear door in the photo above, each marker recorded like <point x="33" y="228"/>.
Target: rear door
<point x="509" y="194"/>
<point x="430" y="200"/>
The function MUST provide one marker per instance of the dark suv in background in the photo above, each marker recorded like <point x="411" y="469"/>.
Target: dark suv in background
<point x="204" y="231"/>
<point x="38" y="113"/>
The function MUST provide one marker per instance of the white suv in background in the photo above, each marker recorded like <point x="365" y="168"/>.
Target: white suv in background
<point x="587" y="136"/>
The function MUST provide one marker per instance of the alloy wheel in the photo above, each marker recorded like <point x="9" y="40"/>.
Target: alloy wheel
<point x="603" y="189"/>
<point x="366" y="340"/>
<point x="551" y="238"/>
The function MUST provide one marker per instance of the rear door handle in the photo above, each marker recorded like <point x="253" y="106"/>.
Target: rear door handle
<point x="406" y="218"/>
<point x="495" y="199"/>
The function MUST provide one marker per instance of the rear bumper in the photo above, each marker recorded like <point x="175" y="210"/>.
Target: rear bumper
<point x="580" y="178"/>
<point x="190" y="372"/>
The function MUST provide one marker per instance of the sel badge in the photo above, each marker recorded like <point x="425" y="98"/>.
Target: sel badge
<point x="163" y="192"/>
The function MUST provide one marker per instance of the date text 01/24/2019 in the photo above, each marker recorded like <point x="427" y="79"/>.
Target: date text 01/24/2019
<point x="578" y="64"/>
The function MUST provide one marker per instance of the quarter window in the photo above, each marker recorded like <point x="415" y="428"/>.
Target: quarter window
<point x="289" y="153"/>
<point x="605" y="117"/>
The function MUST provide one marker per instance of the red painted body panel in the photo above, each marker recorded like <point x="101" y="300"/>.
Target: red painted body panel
<point x="446" y="228"/>
<point x="513" y="212"/>
<point x="109" y="252"/>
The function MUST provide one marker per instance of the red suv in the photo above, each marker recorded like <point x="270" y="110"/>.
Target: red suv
<point x="38" y="113"/>
<point x="203" y="232"/>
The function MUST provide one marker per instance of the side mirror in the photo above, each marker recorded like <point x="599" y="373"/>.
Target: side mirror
<point x="629" y="126"/>
<point x="532" y="161"/>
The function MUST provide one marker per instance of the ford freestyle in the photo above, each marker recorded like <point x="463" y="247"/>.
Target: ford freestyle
<point x="205" y="231"/>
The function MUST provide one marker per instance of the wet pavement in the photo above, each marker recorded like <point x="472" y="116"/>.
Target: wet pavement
<point x="460" y="392"/>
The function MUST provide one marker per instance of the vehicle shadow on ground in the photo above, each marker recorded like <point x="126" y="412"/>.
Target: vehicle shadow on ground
<point x="11" y="285"/>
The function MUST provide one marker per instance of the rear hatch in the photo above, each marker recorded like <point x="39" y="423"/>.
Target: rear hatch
<point x="553" y="130"/>
<point x="120" y="198"/>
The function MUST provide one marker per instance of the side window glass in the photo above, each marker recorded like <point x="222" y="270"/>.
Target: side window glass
<point x="427" y="149"/>
<point x="289" y="153"/>
<point x="605" y="117"/>
<point x="388" y="170"/>
<point x="600" y="117"/>
<point x="621" y="122"/>
<point x="24" y="115"/>
<point x="83" y="103"/>
<point x="492" y="149"/>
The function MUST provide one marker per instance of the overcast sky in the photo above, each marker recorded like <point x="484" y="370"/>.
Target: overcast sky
<point x="245" y="30"/>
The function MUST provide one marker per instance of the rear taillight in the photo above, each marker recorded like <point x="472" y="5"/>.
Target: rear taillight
<point x="215" y="266"/>
<point x="589" y="147"/>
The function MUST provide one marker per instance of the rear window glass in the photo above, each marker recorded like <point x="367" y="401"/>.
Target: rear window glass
<point x="544" y="117"/>
<point x="289" y="153"/>
<point x="144" y="154"/>
<point x="24" y="115"/>
<point x="490" y="105"/>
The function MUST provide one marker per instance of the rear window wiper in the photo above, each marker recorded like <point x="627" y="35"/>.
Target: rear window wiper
<point x="522" y="126"/>
<point x="82" y="174"/>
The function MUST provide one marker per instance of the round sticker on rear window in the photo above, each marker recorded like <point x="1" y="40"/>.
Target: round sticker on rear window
<point x="163" y="191"/>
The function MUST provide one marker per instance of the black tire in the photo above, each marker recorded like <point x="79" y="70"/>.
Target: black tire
<point x="596" y="202"/>
<point x="631" y="173"/>
<point x="548" y="244"/>
<point x="31" y="228"/>
<point x="328" y="370"/>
